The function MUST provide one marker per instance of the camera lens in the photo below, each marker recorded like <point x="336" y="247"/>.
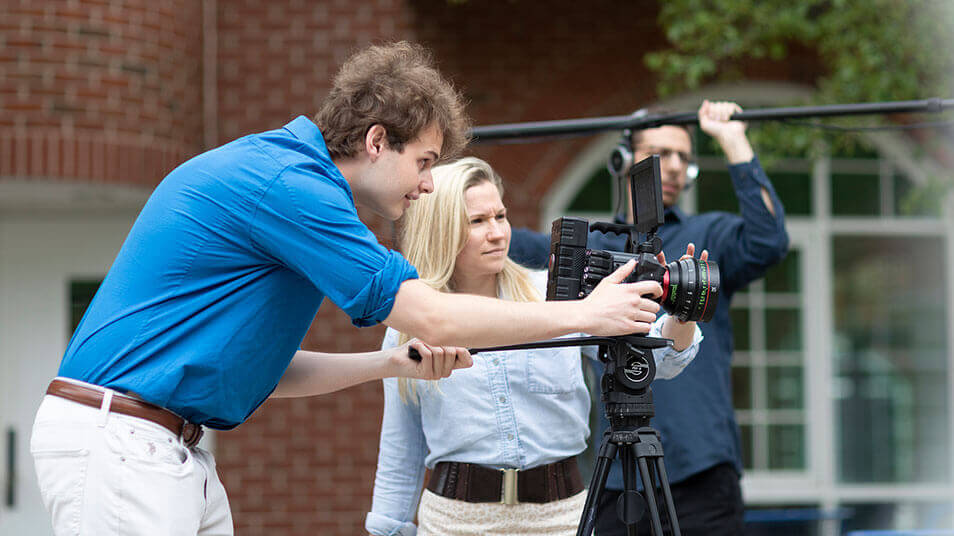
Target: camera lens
<point x="691" y="289"/>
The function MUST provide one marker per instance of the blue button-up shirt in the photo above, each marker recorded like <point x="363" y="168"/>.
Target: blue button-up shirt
<point x="223" y="272"/>
<point x="694" y="412"/>
<point x="517" y="409"/>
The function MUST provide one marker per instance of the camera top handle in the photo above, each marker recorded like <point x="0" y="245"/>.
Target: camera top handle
<point x="652" y="244"/>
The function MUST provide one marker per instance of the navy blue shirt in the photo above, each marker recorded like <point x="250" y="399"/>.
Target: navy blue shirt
<point x="694" y="412"/>
<point x="529" y="248"/>
<point x="223" y="272"/>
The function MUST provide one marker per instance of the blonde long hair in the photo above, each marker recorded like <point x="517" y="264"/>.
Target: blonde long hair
<point x="434" y="231"/>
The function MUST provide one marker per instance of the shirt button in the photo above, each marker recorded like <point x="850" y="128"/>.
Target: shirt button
<point x="496" y="361"/>
<point x="503" y="400"/>
<point x="510" y="437"/>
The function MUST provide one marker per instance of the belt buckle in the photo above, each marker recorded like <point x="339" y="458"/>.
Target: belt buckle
<point x="191" y="434"/>
<point x="508" y="487"/>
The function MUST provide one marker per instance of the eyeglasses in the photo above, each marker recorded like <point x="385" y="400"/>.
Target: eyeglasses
<point x="665" y="153"/>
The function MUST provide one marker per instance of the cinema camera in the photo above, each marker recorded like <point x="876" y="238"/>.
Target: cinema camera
<point x="690" y="286"/>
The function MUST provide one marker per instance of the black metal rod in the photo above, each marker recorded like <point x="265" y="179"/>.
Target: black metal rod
<point x="11" y="497"/>
<point x="636" y="340"/>
<point x="530" y="131"/>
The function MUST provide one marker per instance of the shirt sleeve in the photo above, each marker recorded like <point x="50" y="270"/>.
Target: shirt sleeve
<point x="755" y="239"/>
<point x="308" y="223"/>
<point x="669" y="361"/>
<point x="401" y="453"/>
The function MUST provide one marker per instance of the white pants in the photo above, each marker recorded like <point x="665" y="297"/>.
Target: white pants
<point x="103" y="473"/>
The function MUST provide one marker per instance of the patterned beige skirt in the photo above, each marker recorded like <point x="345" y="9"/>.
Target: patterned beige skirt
<point x="440" y="516"/>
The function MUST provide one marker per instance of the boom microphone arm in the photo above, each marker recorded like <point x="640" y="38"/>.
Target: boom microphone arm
<point x="530" y="131"/>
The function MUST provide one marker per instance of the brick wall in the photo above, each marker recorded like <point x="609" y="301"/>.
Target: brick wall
<point x="99" y="91"/>
<point x="276" y="59"/>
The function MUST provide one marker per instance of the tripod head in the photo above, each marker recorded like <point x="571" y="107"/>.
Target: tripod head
<point x="625" y="384"/>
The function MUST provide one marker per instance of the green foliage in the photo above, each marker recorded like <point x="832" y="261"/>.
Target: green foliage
<point x="875" y="50"/>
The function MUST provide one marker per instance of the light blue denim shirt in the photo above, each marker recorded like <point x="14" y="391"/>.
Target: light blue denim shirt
<point x="517" y="409"/>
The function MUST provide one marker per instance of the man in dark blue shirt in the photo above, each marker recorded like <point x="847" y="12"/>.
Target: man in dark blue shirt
<point x="694" y="412"/>
<point x="200" y="318"/>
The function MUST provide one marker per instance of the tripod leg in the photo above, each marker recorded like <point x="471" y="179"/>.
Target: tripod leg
<point x="597" y="483"/>
<point x="650" y="496"/>
<point x="629" y="508"/>
<point x="667" y="495"/>
<point x="652" y="476"/>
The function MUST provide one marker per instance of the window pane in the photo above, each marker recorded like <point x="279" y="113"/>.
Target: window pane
<point x="855" y="195"/>
<point x="785" y="388"/>
<point x="783" y="277"/>
<point x="913" y="200"/>
<point x="783" y="330"/>
<point x="740" y="328"/>
<point x="81" y="294"/>
<point x="890" y="358"/>
<point x="748" y="461"/>
<point x="786" y="446"/>
<point x="707" y="146"/>
<point x="742" y="387"/>
<point x="596" y="195"/>
<point x="795" y="191"/>
<point x="715" y="192"/>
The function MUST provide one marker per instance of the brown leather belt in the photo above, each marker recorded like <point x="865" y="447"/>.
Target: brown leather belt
<point x="474" y="483"/>
<point x="89" y="396"/>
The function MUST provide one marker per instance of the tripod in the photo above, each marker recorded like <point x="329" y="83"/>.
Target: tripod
<point x="626" y="393"/>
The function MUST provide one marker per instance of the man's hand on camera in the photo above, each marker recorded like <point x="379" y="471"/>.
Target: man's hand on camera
<point x="436" y="361"/>
<point x="617" y="308"/>
<point x="690" y="253"/>
<point x="714" y="121"/>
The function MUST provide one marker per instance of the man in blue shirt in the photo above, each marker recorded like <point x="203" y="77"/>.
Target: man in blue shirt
<point x="200" y="318"/>
<point x="694" y="412"/>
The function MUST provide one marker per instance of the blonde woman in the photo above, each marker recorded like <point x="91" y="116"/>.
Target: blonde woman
<point x="524" y="410"/>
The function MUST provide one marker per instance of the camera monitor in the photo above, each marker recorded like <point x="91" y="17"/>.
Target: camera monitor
<point x="646" y="188"/>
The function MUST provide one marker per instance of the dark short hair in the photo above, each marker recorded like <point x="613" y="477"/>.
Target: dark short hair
<point x="397" y="86"/>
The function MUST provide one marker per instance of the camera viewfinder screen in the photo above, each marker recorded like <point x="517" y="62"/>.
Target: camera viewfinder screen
<point x="646" y="188"/>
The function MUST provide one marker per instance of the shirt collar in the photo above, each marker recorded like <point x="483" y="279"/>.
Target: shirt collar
<point x="302" y="128"/>
<point x="674" y="213"/>
<point x="305" y="130"/>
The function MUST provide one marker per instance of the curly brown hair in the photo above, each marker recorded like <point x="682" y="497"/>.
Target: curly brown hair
<point x="397" y="86"/>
